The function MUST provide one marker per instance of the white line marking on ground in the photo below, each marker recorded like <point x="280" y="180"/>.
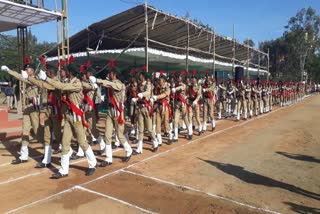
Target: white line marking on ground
<point x="112" y="198"/>
<point x="41" y="200"/>
<point x="131" y="165"/>
<point x="196" y="190"/>
<point x="19" y="178"/>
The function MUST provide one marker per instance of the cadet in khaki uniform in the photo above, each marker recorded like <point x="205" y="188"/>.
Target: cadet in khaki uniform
<point x="195" y="93"/>
<point x="53" y="115"/>
<point x="248" y="99"/>
<point x="91" y="112"/>
<point x="242" y="105"/>
<point x="230" y="98"/>
<point x="265" y="97"/>
<point x="222" y="98"/>
<point x="115" y="114"/>
<point x="254" y="98"/>
<point x="163" y="114"/>
<point x="30" y="113"/>
<point x="181" y="107"/>
<point x="133" y="89"/>
<point x="145" y="113"/>
<point x="74" y="121"/>
<point x="208" y="100"/>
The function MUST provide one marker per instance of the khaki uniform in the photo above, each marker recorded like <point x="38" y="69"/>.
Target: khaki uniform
<point x="208" y="102"/>
<point x="163" y="111"/>
<point x="248" y="100"/>
<point x="194" y="98"/>
<point x="74" y="123"/>
<point x="222" y="99"/>
<point x="115" y="116"/>
<point x="145" y="111"/>
<point x="52" y="116"/>
<point x="242" y="104"/>
<point x="30" y="115"/>
<point x="254" y="102"/>
<point x="133" y="107"/>
<point x="230" y="99"/>
<point x="265" y="98"/>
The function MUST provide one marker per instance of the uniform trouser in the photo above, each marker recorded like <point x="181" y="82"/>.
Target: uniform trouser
<point x="162" y="117"/>
<point x="229" y="105"/>
<point x="30" y="120"/>
<point x="145" y="121"/>
<point x="91" y="119"/>
<point x="76" y="127"/>
<point x="270" y="102"/>
<point x="196" y="110"/>
<point x="222" y="105"/>
<point x="181" y="110"/>
<point x="207" y="109"/>
<point x="133" y="113"/>
<point x="242" y="105"/>
<point x="255" y="105"/>
<point x="248" y="104"/>
<point x="265" y="102"/>
<point x="51" y="124"/>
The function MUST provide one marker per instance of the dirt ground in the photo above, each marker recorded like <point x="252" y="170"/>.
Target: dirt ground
<point x="269" y="164"/>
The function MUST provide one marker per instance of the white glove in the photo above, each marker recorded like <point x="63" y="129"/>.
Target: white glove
<point x="154" y="98"/>
<point x="204" y="90"/>
<point x="102" y="98"/>
<point x="173" y="90"/>
<point x="195" y="103"/>
<point x="5" y="68"/>
<point x="151" y="100"/>
<point x="134" y="99"/>
<point x="92" y="79"/>
<point x="140" y="95"/>
<point x="95" y="86"/>
<point x="24" y="74"/>
<point x="42" y="75"/>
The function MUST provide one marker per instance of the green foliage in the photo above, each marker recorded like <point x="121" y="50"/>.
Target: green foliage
<point x="295" y="52"/>
<point x="9" y="52"/>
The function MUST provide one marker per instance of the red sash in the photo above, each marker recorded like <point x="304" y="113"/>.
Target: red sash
<point x="133" y="94"/>
<point x="91" y="103"/>
<point x="184" y="101"/>
<point x="148" y="106"/>
<point x="165" y="103"/>
<point x="76" y="110"/>
<point x="119" y="109"/>
<point x="193" y="93"/>
<point x="55" y="105"/>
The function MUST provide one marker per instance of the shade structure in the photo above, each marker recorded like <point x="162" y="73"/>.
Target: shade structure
<point x="13" y="15"/>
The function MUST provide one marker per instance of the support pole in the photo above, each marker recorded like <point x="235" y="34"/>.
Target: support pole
<point x="147" y="35"/>
<point x="187" y="47"/>
<point x="248" y="58"/>
<point x="233" y="51"/>
<point x="214" y="57"/>
<point x="259" y="65"/>
<point x="268" y="65"/>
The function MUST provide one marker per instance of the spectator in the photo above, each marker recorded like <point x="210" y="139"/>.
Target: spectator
<point x="9" y="94"/>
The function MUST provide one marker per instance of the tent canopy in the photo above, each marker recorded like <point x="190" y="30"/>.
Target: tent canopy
<point x="165" y="33"/>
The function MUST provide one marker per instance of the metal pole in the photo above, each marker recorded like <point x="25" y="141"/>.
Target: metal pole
<point x="234" y="51"/>
<point x="248" y="55"/>
<point x="147" y="35"/>
<point x="214" y="56"/>
<point x="187" y="48"/>
<point x="259" y="65"/>
<point x="268" y="69"/>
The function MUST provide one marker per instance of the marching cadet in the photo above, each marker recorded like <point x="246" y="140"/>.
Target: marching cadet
<point x="260" y="102"/>
<point x="230" y="98"/>
<point x="74" y="121"/>
<point x="91" y="111"/>
<point x="222" y="98"/>
<point x="133" y="91"/>
<point x="254" y="98"/>
<point x="161" y="99"/>
<point x="242" y="105"/>
<point x="30" y="113"/>
<point x="145" y="112"/>
<point x="270" y="95"/>
<point x="194" y="98"/>
<point x="181" y="107"/>
<point x="52" y="112"/>
<point x="115" y="113"/>
<point x="208" y="100"/>
<point x="264" y="97"/>
<point x="248" y="98"/>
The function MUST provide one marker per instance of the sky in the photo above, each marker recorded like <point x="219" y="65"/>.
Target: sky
<point x="259" y="20"/>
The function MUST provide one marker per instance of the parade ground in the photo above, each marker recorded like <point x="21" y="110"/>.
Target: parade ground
<point x="268" y="164"/>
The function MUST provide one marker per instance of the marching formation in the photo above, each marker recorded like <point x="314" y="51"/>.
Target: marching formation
<point x="157" y="105"/>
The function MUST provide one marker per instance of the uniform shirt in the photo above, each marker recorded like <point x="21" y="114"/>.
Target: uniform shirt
<point x="91" y="93"/>
<point x="222" y="91"/>
<point x="31" y="91"/>
<point x="209" y="86"/>
<point x="248" y="92"/>
<point x="117" y="88"/>
<point x="145" y="89"/>
<point x="197" y="92"/>
<point x="73" y="89"/>
<point x="241" y="90"/>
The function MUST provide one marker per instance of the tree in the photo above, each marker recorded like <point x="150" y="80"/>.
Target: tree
<point x="302" y="35"/>
<point x="249" y="42"/>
